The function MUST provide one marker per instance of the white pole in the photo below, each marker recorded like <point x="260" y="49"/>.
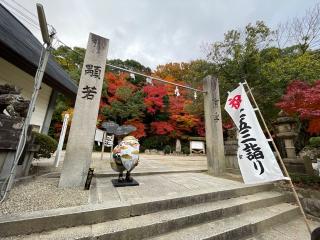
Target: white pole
<point x="103" y="140"/>
<point x="61" y="140"/>
<point x="111" y="148"/>
<point x="280" y="158"/>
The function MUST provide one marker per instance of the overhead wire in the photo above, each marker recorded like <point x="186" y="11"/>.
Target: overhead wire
<point x="31" y="13"/>
<point x="35" y="24"/>
<point x="22" y="15"/>
<point x="138" y="73"/>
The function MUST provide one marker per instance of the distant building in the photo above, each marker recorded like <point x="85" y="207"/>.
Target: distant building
<point x="19" y="56"/>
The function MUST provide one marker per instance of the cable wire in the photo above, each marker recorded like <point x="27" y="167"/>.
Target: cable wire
<point x="29" y="19"/>
<point x="35" y="24"/>
<point x="138" y="73"/>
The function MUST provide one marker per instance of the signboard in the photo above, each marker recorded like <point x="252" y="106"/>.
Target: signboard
<point x="199" y="145"/>
<point x="109" y="141"/>
<point x="98" y="137"/>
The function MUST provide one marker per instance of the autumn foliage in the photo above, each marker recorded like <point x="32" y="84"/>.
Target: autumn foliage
<point x="303" y="100"/>
<point x="154" y="97"/>
<point x="153" y="109"/>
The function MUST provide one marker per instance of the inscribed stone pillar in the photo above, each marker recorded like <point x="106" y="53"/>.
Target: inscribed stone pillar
<point x="81" y="137"/>
<point x="213" y="124"/>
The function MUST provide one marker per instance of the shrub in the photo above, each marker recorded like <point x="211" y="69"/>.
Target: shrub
<point x="47" y="145"/>
<point x="305" y="179"/>
<point x="185" y="149"/>
<point x="314" y="142"/>
<point x="167" y="149"/>
<point x="154" y="142"/>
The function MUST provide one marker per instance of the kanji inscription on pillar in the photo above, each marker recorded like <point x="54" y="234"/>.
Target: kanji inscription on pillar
<point x="81" y="137"/>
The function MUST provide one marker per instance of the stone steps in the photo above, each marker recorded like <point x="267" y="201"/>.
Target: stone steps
<point x="265" y="208"/>
<point x="87" y="215"/>
<point x="237" y="227"/>
<point x="290" y="230"/>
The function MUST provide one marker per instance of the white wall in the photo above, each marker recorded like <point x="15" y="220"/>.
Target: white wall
<point x="12" y="75"/>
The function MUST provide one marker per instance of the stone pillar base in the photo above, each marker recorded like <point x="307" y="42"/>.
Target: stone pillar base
<point x="293" y="165"/>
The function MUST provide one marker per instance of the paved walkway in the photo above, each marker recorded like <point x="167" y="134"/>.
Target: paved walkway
<point x="155" y="186"/>
<point x="149" y="164"/>
<point x="154" y="163"/>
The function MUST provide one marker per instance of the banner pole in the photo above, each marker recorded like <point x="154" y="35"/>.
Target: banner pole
<point x="280" y="158"/>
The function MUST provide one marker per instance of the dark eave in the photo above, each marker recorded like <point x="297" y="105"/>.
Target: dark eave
<point x="21" y="48"/>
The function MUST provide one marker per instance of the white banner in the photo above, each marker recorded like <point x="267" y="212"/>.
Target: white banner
<point x="256" y="160"/>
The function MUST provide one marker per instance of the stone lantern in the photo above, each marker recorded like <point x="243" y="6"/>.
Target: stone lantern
<point x="286" y="132"/>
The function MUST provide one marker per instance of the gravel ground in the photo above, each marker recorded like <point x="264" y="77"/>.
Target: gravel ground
<point x="41" y="194"/>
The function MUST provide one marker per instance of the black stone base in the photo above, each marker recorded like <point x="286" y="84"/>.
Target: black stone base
<point x="116" y="183"/>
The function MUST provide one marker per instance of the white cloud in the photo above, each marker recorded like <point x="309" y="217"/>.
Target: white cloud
<point x="155" y="32"/>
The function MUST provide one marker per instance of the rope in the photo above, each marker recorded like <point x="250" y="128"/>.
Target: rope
<point x="154" y="78"/>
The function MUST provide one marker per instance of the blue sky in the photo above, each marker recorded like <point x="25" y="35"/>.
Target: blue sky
<point x="155" y="32"/>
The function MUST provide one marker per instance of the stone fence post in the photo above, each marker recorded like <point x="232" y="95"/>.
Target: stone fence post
<point x="213" y="124"/>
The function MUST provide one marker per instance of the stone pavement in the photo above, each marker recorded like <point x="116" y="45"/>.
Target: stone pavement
<point x="155" y="186"/>
<point x="149" y="164"/>
<point x="154" y="163"/>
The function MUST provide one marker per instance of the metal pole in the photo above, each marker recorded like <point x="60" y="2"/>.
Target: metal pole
<point x="280" y="158"/>
<point x="22" y="139"/>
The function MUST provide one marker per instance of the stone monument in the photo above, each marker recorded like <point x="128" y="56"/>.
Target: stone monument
<point x="178" y="146"/>
<point x="81" y="137"/>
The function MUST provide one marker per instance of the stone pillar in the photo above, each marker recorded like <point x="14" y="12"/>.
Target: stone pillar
<point x="178" y="146"/>
<point x="81" y="137"/>
<point x="213" y="124"/>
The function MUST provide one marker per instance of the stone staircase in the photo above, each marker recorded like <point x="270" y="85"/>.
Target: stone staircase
<point x="237" y="213"/>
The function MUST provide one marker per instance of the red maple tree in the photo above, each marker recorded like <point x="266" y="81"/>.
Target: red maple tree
<point x="140" y="132"/>
<point x="154" y="97"/>
<point x="161" y="128"/>
<point x="303" y="100"/>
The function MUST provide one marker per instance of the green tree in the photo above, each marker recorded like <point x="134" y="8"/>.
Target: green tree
<point x="70" y="60"/>
<point x="251" y="55"/>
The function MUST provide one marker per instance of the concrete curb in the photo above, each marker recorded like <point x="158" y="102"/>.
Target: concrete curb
<point x="89" y="214"/>
<point x="103" y="174"/>
<point x="108" y="174"/>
